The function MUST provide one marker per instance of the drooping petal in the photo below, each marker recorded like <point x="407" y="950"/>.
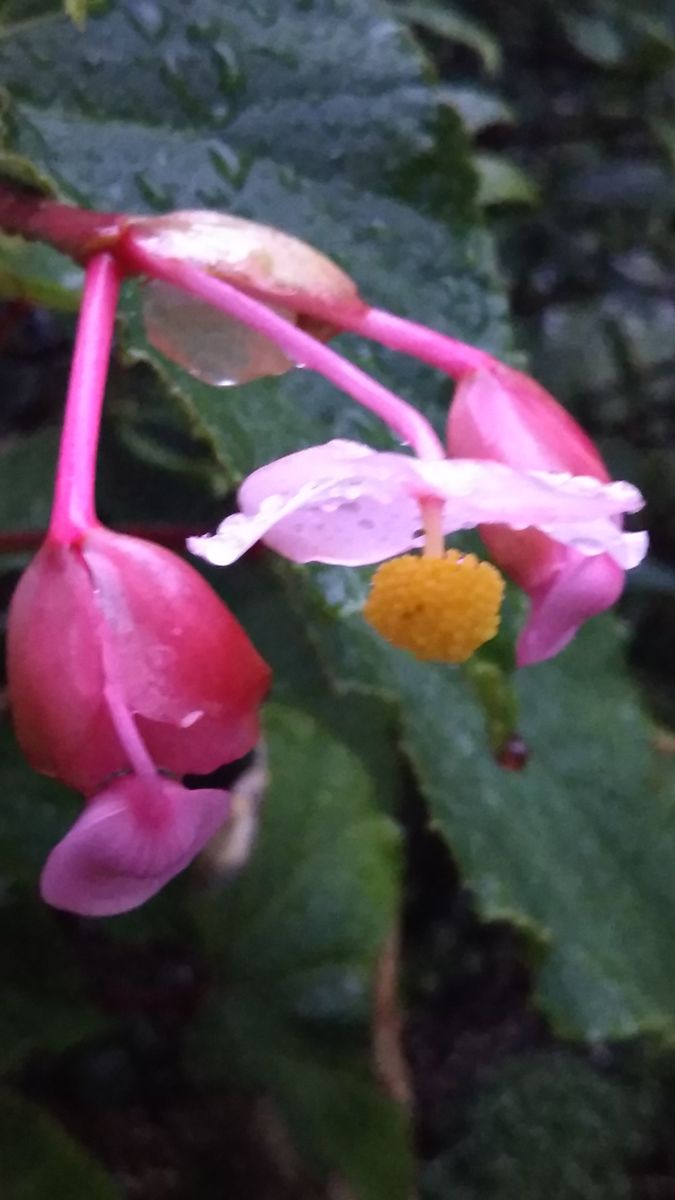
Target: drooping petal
<point x="128" y="843"/>
<point x="580" y="588"/>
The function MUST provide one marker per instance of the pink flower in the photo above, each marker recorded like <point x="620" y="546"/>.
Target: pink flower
<point x="125" y="669"/>
<point x="345" y="503"/>
<point x="501" y="415"/>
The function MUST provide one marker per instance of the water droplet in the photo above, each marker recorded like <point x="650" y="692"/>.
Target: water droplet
<point x="206" y="343"/>
<point x="514" y="754"/>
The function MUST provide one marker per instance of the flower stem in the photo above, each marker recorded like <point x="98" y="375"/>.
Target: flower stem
<point x="428" y="345"/>
<point x="23" y="541"/>
<point x="74" y="231"/>
<point x="299" y="347"/>
<point x="73" y="510"/>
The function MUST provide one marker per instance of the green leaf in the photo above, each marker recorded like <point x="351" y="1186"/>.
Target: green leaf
<point x="23" y="15"/>
<point x="43" y="1005"/>
<point x="579" y="847"/>
<point x="595" y="36"/>
<point x="38" y="1159"/>
<point x="615" y="34"/>
<point x="544" y="1125"/>
<point x="199" y="107"/>
<point x="503" y="182"/>
<point x="78" y="10"/>
<point x="37" y="275"/>
<point x="453" y="25"/>
<point x="27" y="470"/>
<point x="295" y="942"/>
<point x="478" y="108"/>
<point x="35" y="813"/>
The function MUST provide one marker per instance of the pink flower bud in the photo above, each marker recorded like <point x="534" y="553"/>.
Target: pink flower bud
<point x="125" y="667"/>
<point x="291" y="277"/>
<point x="261" y="260"/>
<point x="503" y="415"/>
<point x="115" y="614"/>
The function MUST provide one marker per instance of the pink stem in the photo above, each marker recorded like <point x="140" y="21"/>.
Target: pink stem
<point x="149" y="803"/>
<point x="125" y="728"/>
<point x="22" y="541"/>
<point x="73" y="510"/>
<point x="299" y="347"/>
<point x="428" y="345"/>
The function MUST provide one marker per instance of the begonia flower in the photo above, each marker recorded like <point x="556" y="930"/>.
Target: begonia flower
<point x="118" y="647"/>
<point x="501" y="415"/>
<point x="126" y="671"/>
<point x="344" y="503"/>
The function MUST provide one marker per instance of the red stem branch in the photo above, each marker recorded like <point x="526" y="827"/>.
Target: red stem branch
<point x="74" y="231"/>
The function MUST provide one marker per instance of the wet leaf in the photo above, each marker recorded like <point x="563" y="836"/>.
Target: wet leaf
<point x="295" y="942"/>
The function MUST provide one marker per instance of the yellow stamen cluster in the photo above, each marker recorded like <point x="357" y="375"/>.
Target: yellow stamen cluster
<point x="440" y="609"/>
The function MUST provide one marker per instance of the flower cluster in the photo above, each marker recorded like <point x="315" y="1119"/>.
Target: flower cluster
<point x="126" y="671"/>
<point x="515" y="463"/>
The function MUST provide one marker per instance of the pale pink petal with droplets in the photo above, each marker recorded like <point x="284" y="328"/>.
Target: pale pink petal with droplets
<point x="343" y="503"/>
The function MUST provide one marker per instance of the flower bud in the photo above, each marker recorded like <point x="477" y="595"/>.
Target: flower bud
<point x="503" y="415"/>
<point x="290" y="276"/>
<point x="117" y="614"/>
<point x="261" y="260"/>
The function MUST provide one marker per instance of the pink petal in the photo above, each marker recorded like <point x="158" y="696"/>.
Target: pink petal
<point x="505" y="415"/>
<point x="130" y="840"/>
<point x="575" y="510"/>
<point x="56" y="673"/>
<point x="184" y="664"/>
<point x="343" y="503"/>
<point x="578" y="589"/>
<point x="337" y="503"/>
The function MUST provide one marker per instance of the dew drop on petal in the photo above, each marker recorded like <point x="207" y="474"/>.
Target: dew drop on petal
<point x="204" y="341"/>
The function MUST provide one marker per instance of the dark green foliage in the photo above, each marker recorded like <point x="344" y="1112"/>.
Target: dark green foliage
<point x="545" y="1125"/>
